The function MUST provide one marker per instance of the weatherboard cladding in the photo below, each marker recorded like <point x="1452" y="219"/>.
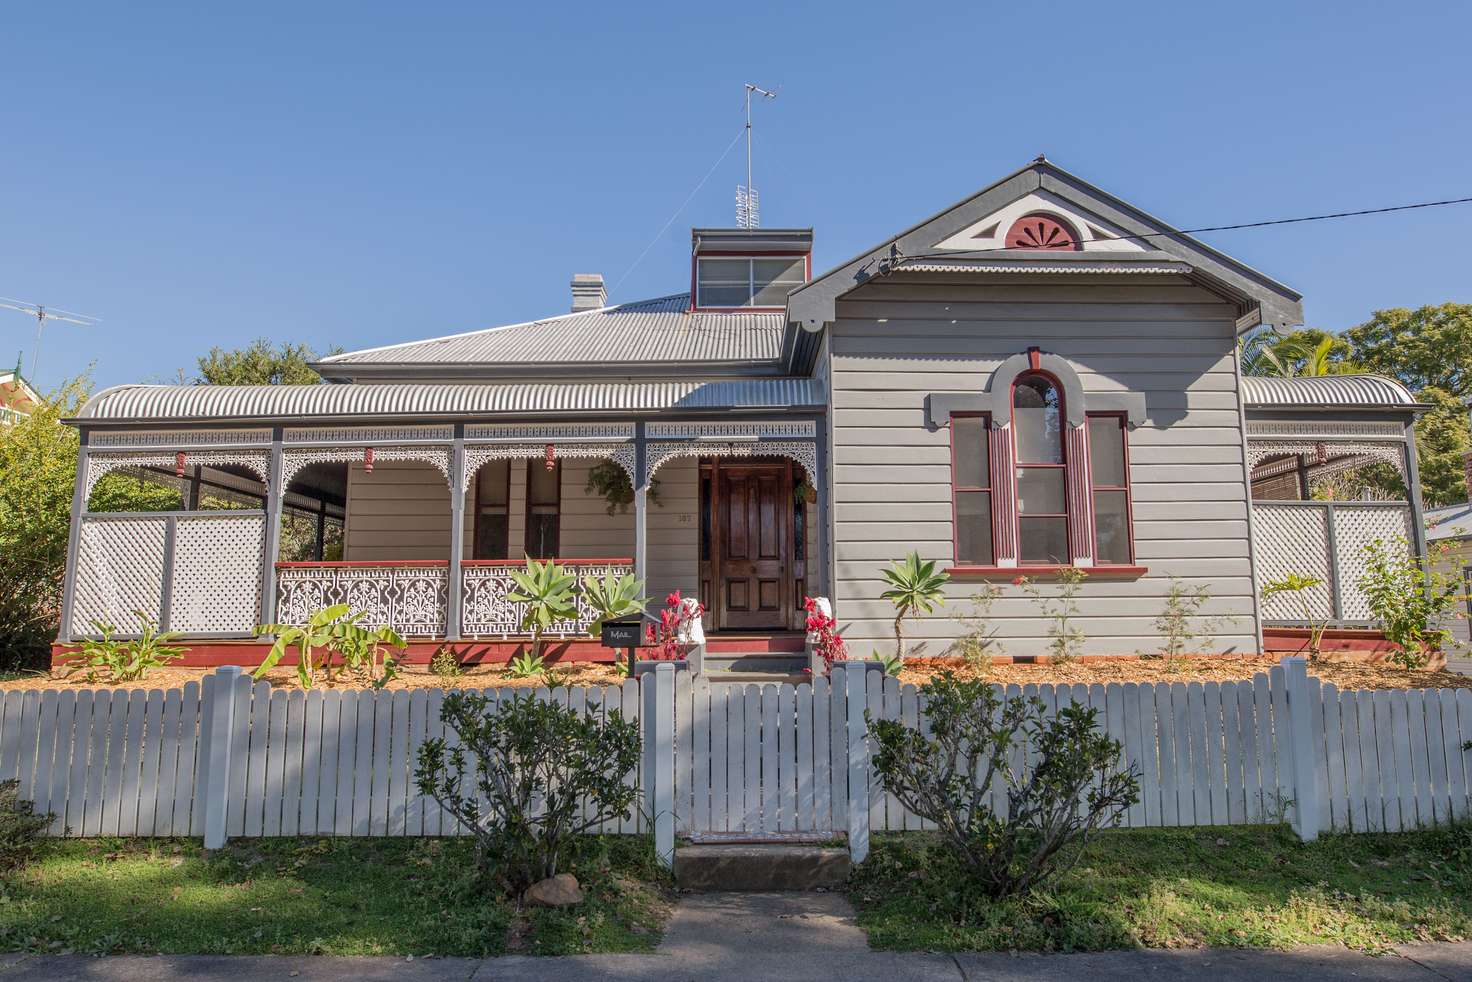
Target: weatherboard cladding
<point x="176" y="402"/>
<point x="659" y="330"/>
<point x="1363" y="391"/>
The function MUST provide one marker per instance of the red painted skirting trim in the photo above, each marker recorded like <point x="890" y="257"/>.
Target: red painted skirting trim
<point x="1033" y="571"/>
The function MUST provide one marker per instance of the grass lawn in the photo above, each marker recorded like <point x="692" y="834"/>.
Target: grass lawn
<point x="316" y="896"/>
<point x="1167" y="888"/>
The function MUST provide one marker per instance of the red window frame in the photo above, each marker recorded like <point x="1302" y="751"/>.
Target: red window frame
<point x="958" y="489"/>
<point x="1129" y="496"/>
<point x="1018" y="466"/>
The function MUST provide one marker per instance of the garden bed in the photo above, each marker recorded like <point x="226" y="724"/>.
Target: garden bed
<point x="410" y="677"/>
<point x="317" y="896"/>
<point x="1207" y="668"/>
<point x="1254" y="887"/>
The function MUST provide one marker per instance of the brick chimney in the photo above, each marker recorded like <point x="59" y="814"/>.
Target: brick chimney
<point x="588" y="292"/>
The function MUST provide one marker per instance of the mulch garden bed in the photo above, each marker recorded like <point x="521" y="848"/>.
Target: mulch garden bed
<point x="1084" y="671"/>
<point x="1219" y="668"/>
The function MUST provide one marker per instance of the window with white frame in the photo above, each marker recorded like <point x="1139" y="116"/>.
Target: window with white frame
<point x="747" y="281"/>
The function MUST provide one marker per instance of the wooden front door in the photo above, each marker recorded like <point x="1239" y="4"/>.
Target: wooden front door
<point x="753" y="568"/>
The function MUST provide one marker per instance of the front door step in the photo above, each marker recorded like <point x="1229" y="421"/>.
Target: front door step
<point x="760" y="868"/>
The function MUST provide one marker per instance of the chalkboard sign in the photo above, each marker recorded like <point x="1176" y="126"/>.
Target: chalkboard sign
<point x="623" y="634"/>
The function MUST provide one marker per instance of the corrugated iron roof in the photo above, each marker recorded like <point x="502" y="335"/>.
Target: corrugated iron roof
<point x="219" y="402"/>
<point x="1449" y="523"/>
<point x="1367" y="391"/>
<point x="659" y="330"/>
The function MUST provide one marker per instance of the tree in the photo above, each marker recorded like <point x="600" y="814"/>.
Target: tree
<point x="1429" y="347"/>
<point x="259" y="364"/>
<point x="38" y="466"/>
<point x="1308" y="351"/>
<point x="1442" y="440"/>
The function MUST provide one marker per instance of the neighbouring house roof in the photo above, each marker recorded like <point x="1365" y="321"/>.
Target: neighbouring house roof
<point x="157" y="403"/>
<point x="17" y="398"/>
<point x="1449" y="523"/>
<point x="1326" y="392"/>
<point x="644" y="337"/>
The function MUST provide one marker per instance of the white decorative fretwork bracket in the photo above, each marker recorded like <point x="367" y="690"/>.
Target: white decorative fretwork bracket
<point x="477" y="457"/>
<point x="805" y="453"/>
<point x="101" y="464"/>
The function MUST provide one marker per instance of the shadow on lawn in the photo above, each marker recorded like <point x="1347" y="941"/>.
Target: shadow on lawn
<point x="1239" y="886"/>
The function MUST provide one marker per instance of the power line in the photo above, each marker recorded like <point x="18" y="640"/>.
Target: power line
<point x="1222" y="228"/>
<point x="683" y="205"/>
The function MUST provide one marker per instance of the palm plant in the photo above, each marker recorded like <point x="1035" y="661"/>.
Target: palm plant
<point x="546" y="590"/>
<point x="612" y="597"/>
<point x="915" y="587"/>
<point x="1296" y="354"/>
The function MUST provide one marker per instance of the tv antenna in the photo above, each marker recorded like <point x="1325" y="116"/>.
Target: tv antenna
<point x="748" y="204"/>
<point x="43" y="314"/>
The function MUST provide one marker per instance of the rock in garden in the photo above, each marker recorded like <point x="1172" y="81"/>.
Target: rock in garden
<point x="555" y="891"/>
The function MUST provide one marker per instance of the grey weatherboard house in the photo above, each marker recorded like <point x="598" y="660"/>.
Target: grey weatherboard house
<point x="1039" y="376"/>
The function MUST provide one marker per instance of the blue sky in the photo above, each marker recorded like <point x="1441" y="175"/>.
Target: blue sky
<point x="360" y="174"/>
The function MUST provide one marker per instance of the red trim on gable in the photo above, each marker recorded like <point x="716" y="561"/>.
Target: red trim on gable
<point x="1033" y="572"/>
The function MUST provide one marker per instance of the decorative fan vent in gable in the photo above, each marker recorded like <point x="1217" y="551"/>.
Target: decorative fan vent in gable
<point x="1039" y="231"/>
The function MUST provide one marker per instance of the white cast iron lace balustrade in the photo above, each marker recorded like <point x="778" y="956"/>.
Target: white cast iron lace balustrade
<point x="487" y="613"/>
<point x="411" y="597"/>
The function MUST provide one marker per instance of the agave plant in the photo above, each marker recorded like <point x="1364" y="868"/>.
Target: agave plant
<point x="915" y="587"/>
<point x="612" y="597"/>
<point x="547" y="590"/>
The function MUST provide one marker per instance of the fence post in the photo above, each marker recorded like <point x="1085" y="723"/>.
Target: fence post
<point x="216" y="727"/>
<point x="858" y="760"/>
<point x="1307" y="807"/>
<point x="659" y="726"/>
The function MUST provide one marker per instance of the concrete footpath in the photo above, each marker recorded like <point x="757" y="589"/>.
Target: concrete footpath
<point x="782" y="937"/>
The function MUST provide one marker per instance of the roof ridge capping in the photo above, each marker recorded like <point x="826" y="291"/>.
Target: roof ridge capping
<point x="1260" y="298"/>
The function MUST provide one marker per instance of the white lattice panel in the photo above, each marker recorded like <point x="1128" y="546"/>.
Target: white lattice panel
<point x="411" y="599"/>
<point x="1355" y="527"/>
<point x="217" y="574"/>
<point x="120" y="572"/>
<point x="487" y="612"/>
<point x="1292" y="539"/>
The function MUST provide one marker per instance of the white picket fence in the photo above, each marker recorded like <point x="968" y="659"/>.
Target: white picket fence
<point x="229" y="758"/>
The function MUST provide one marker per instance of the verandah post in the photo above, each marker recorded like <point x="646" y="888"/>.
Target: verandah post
<point x="1307" y="806"/>
<point x="216" y="730"/>
<point x="454" y="611"/>
<point x="858" y="758"/>
<point x="658" y="690"/>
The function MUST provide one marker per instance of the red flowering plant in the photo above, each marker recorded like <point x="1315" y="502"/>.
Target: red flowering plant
<point x="674" y="624"/>
<point x="823" y="632"/>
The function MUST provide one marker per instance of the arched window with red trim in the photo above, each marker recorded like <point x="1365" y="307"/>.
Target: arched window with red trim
<point x="1042" y="471"/>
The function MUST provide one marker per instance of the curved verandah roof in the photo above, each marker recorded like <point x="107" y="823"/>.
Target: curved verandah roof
<point x="176" y="403"/>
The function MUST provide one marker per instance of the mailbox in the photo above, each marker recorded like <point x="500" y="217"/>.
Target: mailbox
<point x="623" y="634"/>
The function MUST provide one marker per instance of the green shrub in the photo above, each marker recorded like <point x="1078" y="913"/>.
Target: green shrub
<point x="113" y="661"/>
<point x="445" y="664"/>
<point x="543" y="775"/>
<point x="20" y="826"/>
<point x="1407" y="599"/>
<point x="1070" y="786"/>
<point x="1065" y="637"/>
<point x="1298" y="584"/>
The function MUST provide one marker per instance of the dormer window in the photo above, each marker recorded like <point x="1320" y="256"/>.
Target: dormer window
<point x="725" y="282"/>
<point x="747" y="268"/>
